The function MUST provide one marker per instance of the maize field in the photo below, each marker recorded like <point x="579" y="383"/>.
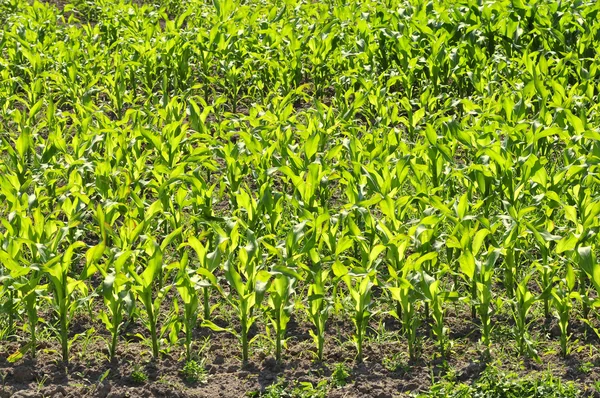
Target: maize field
<point x="298" y="198"/>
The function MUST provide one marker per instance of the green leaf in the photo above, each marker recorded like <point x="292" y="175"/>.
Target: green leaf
<point x="427" y="257"/>
<point x="570" y="277"/>
<point x="339" y="269"/>
<point x="107" y="286"/>
<point x="431" y="135"/>
<point x="13" y="266"/>
<point x="311" y="146"/>
<point x="567" y="243"/>
<point x="287" y="272"/>
<point x="233" y="277"/>
<point x="262" y="283"/>
<point x="479" y="239"/>
<point x="169" y="238"/>
<point x="589" y="265"/>
<point x="218" y="7"/>
<point x="214" y="327"/>
<point x="375" y="252"/>
<point x="153" y="267"/>
<point x="467" y="264"/>
<point x="14" y="357"/>
<point x="462" y="206"/>
<point x="152" y="139"/>
<point x="94" y="254"/>
<point x="518" y="4"/>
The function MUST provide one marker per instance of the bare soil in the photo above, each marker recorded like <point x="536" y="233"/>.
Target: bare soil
<point x="384" y="373"/>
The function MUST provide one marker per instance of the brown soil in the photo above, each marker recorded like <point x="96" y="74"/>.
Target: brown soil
<point x="89" y="374"/>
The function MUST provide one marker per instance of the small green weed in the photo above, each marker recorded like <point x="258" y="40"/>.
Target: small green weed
<point x="340" y="375"/>
<point x="496" y="384"/>
<point x="276" y="390"/>
<point x="586" y="367"/>
<point x="195" y="372"/>
<point x="395" y="362"/>
<point x="138" y="375"/>
<point x="306" y="389"/>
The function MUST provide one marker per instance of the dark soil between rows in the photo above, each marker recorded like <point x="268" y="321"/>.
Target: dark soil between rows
<point x="89" y="374"/>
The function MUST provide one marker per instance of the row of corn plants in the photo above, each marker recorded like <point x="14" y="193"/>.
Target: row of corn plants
<point x="162" y="165"/>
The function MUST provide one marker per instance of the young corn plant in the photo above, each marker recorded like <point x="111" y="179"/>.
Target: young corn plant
<point x="543" y="239"/>
<point x="523" y="302"/>
<point x="484" y="310"/>
<point x="63" y="288"/>
<point x="9" y="308"/>
<point x="360" y="284"/>
<point x="319" y="307"/>
<point x="117" y="296"/>
<point x="398" y="270"/>
<point x="361" y="294"/>
<point x="27" y="290"/>
<point x="208" y="263"/>
<point x="281" y="304"/>
<point x="144" y="286"/>
<point x="484" y="297"/>
<point x="186" y="287"/>
<point x="513" y="244"/>
<point x="590" y="268"/>
<point x="407" y="297"/>
<point x="435" y="296"/>
<point x="248" y="281"/>
<point x="563" y="295"/>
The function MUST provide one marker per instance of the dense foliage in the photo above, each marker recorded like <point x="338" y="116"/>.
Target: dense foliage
<point x="163" y="163"/>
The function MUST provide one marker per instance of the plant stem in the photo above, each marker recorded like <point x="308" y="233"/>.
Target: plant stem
<point x="474" y="298"/>
<point x="152" y="323"/>
<point x="278" y="344"/>
<point x="206" y="303"/>
<point x="11" y="316"/>
<point x="320" y="341"/>
<point x="359" y="338"/>
<point x="113" y="345"/>
<point x="33" y="338"/>
<point x="64" y="337"/>
<point x="188" y="342"/>
<point x="399" y="314"/>
<point x="244" y="341"/>
<point x="508" y="274"/>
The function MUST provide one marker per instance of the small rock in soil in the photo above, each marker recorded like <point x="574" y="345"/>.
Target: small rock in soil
<point x="159" y="390"/>
<point x="411" y="387"/>
<point x="103" y="390"/>
<point x="469" y="371"/>
<point x="300" y="375"/>
<point x="270" y="363"/>
<point x="7" y="392"/>
<point x="383" y="395"/>
<point x="117" y="394"/>
<point x="219" y="360"/>
<point x="23" y="375"/>
<point x="55" y="391"/>
<point x="27" y="394"/>
<point x="363" y="388"/>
